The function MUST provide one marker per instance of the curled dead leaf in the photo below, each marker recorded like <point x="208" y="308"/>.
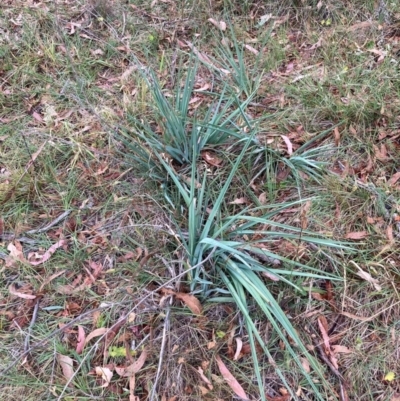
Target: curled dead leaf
<point x="14" y="291"/>
<point x="288" y="144"/>
<point x="46" y="256"/>
<point x="239" y="346"/>
<point x="191" y="302"/>
<point x="132" y="369"/>
<point x="106" y="375"/>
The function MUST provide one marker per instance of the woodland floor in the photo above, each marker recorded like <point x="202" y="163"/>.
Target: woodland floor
<point x="92" y="272"/>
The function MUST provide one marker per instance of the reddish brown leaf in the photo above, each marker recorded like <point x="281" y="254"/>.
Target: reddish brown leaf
<point x="211" y="158"/>
<point x="336" y="135"/>
<point x="132" y="369"/>
<point x="395" y="177"/>
<point x="231" y="381"/>
<point x="389" y="233"/>
<point x="357" y="235"/>
<point x="96" y="333"/>
<point x="285" y="397"/>
<point x="191" y="302"/>
<point x="355" y="317"/>
<point x="239" y="201"/>
<point x="46" y="256"/>
<point x="37" y="116"/>
<point x="81" y="340"/>
<point x="323" y="328"/>
<point x="251" y="49"/>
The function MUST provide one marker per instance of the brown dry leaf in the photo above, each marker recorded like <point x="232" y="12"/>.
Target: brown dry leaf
<point x="389" y="233"/>
<point x="303" y="214"/>
<point x="96" y="333"/>
<point x="270" y="276"/>
<point x="46" y="256"/>
<point x="352" y="130"/>
<point x="381" y="153"/>
<point x="357" y="235"/>
<point x="251" y="49"/>
<point x="204" y="390"/>
<point x="317" y="44"/>
<point x="37" y="116"/>
<point x="132" y="369"/>
<point x="105" y="373"/>
<point x="393" y="179"/>
<point x="336" y="135"/>
<point x="132" y="385"/>
<point x="367" y="277"/>
<point x="16" y="252"/>
<point x="50" y="279"/>
<point x="205" y="59"/>
<point x="355" y="317"/>
<point x="239" y="201"/>
<point x="263" y="198"/>
<point x="191" y="302"/>
<point x="380" y="53"/>
<point x="341" y="349"/>
<point x="285" y="397"/>
<point x="323" y="328"/>
<point x="305" y="364"/>
<point x="288" y="144"/>
<point x="232" y="382"/>
<point x="204" y="378"/>
<point x="219" y="24"/>
<point x="35" y="155"/>
<point x="67" y="366"/>
<point x="211" y="158"/>
<point x="81" y="340"/>
<point x="14" y="291"/>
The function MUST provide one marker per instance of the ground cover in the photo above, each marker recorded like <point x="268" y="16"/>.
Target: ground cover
<point x="199" y="200"/>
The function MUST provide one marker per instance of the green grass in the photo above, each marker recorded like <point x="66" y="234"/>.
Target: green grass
<point x="230" y="175"/>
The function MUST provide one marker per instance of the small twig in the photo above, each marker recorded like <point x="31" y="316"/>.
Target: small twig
<point x="33" y="320"/>
<point x="61" y="217"/>
<point x="161" y="356"/>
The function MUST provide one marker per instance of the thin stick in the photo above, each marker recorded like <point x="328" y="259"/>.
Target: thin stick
<point x="161" y="357"/>
<point x="33" y="320"/>
<point x="62" y="216"/>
